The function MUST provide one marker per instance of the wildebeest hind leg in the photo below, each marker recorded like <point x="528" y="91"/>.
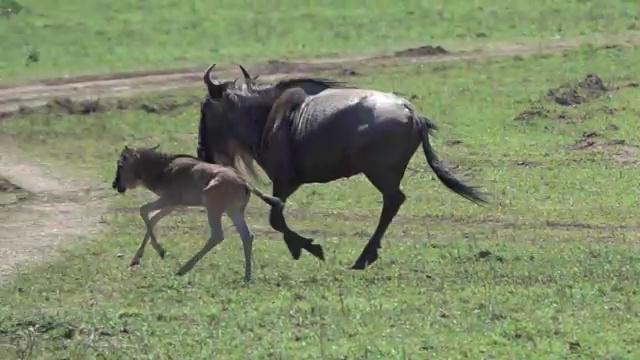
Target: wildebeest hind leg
<point x="393" y="198"/>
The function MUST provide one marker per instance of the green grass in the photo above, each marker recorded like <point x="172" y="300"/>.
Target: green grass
<point x="80" y="37"/>
<point x="560" y="281"/>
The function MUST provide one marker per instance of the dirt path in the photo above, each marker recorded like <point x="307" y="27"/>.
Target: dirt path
<point x="12" y="98"/>
<point x="29" y="231"/>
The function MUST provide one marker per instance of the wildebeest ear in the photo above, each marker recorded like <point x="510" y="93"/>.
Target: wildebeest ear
<point x="155" y="147"/>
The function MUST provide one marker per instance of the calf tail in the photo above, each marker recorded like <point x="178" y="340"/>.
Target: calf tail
<point x="468" y="192"/>
<point x="272" y="201"/>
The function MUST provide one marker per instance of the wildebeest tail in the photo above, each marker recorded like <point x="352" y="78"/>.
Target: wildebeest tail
<point x="469" y="192"/>
<point x="430" y="124"/>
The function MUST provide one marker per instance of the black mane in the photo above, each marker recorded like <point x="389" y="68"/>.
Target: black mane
<point x="326" y="82"/>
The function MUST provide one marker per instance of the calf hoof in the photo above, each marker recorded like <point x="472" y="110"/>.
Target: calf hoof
<point x="161" y="253"/>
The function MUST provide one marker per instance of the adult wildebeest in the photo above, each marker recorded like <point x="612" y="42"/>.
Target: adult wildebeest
<point x="181" y="181"/>
<point x="329" y="131"/>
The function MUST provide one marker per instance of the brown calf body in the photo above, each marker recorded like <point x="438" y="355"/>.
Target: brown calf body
<point x="185" y="181"/>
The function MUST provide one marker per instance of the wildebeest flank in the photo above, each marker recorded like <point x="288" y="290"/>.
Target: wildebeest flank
<point x="337" y="132"/>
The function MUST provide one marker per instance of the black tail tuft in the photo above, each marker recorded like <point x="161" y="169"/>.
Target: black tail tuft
<point x="272" y="201"/>
<point x="471" y="193"/>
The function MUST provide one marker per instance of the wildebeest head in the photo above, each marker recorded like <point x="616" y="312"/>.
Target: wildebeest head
<point x="126" y="171"/>
<point x="235" y="113"/>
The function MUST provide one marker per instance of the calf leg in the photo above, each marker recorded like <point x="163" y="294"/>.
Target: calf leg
<point x="393" y="198"/>
<point x="247" y="242"/>
<point x="214" y="215"/>
<point x="162" y="210"/>
<point x="295" y="242"/>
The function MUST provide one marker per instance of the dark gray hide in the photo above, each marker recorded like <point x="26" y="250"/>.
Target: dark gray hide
<point x="335" y="133"/>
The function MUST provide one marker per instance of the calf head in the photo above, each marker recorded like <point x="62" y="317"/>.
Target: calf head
<point x="126" y="174"/>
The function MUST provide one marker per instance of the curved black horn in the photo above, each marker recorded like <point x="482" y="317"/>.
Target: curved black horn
<point x="247" y="77"/>
<point x="211" y="87"/>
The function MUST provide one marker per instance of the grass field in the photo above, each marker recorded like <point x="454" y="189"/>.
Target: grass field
<point x="548" y="270"/>
<point x="65" y="38"/>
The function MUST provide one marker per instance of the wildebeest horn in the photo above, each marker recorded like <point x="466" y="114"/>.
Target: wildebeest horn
<point x="247" y="77"/>
<point x="211" y="87"/>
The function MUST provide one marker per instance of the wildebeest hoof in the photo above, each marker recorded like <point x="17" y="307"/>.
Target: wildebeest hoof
<point x="363" y="263"/>
<point x="180" y="273"/>
<point x="295" y="252"/>
<point x="161" y="253"/>
<point x="316" y="250"/>
<point x="134" y="262"/>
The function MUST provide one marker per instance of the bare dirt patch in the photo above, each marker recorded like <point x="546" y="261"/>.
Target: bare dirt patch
<point x="11" y="193"/>
<point x="426" y="50"/>
<point x="30" y="230"/>
<point x="587" y="89"/>
<point x="8" y="187"/>
<point x="618" y="150"/>
<point x="68" y="106"/>
<point x="570" y="97"/>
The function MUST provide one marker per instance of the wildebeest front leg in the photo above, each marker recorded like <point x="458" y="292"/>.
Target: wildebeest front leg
<point x="284" y="185"/>
<point x="295" y="242"/>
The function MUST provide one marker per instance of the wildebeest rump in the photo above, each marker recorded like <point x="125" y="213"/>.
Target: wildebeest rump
<point x="336" y="131"/>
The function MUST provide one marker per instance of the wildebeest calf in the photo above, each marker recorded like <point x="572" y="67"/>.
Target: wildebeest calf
<point x="183" y="180"/>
